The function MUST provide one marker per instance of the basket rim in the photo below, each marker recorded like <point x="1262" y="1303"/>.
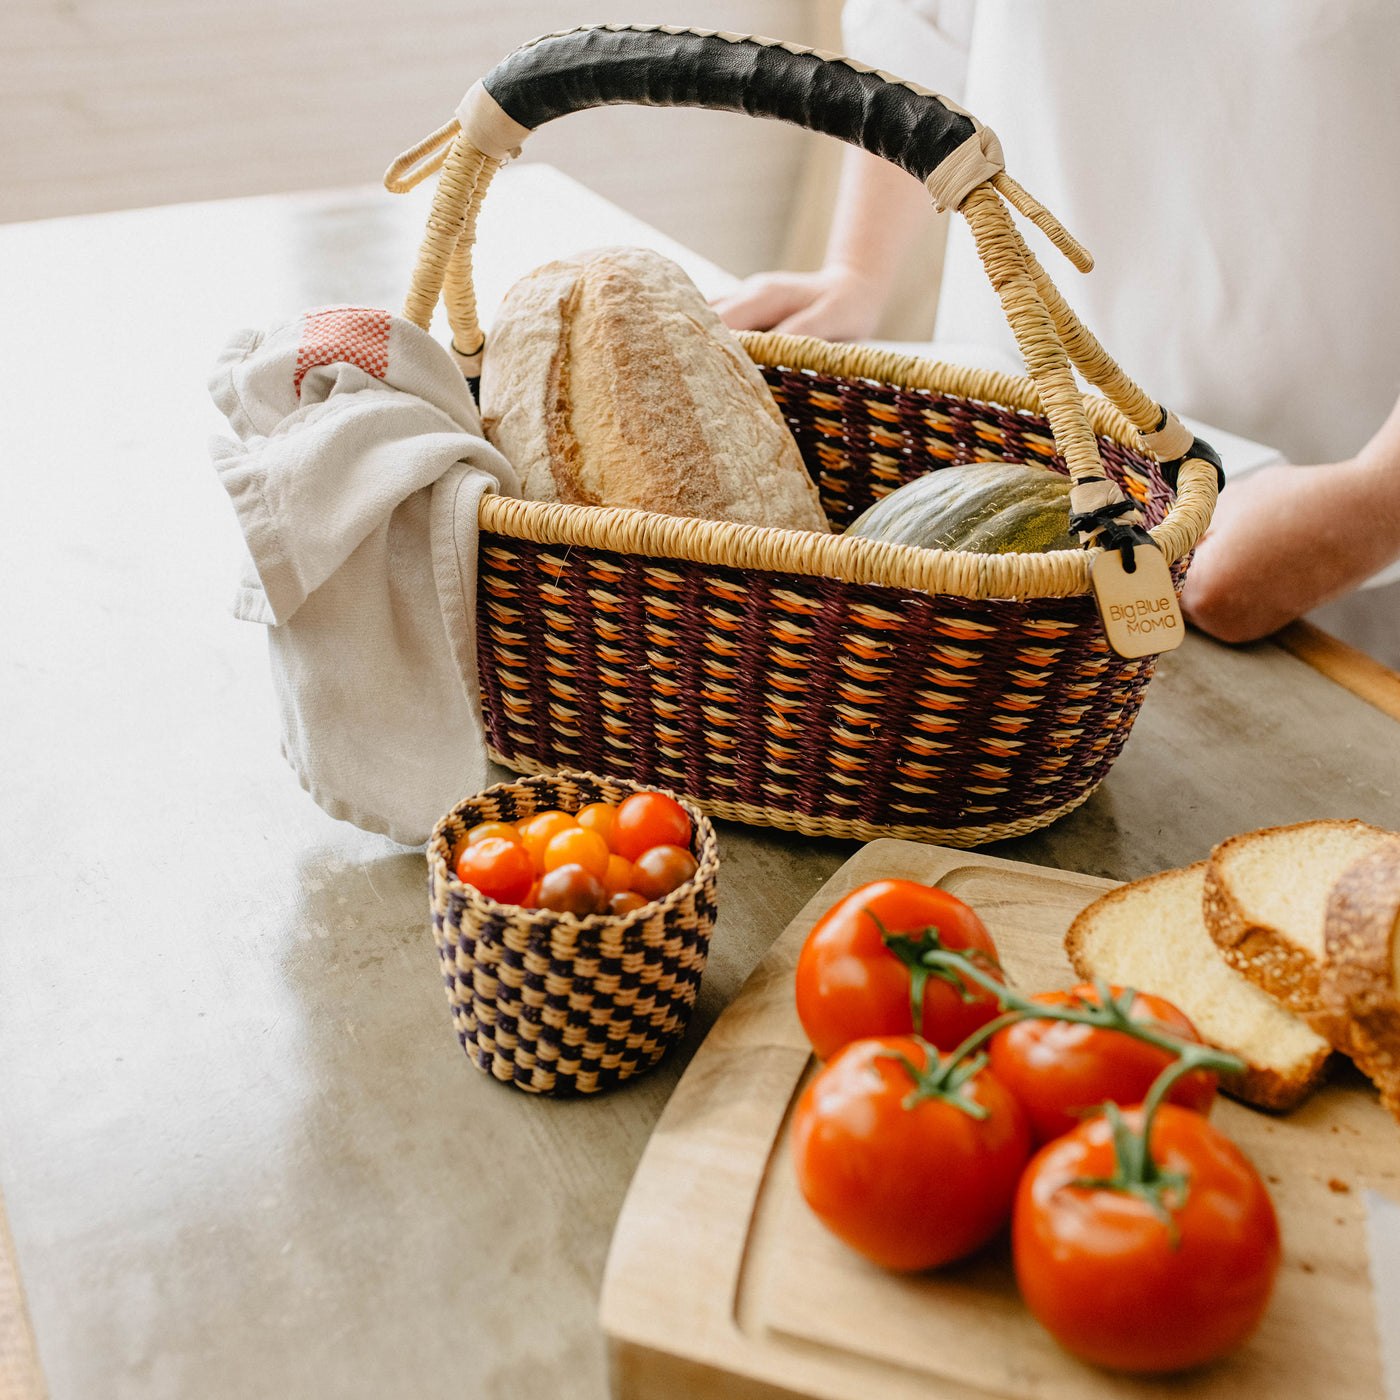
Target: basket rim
<point x="550" y="922"/>
<point x="1056" y="574"/>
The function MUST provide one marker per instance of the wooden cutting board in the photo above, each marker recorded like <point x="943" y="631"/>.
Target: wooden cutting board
<point x="720" y="1282"/>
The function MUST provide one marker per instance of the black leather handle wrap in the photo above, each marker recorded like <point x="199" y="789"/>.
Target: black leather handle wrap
<point x="596" y="67"/>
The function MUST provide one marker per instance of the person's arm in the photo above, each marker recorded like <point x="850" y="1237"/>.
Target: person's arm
<point x="878" y="208"/>
<point x="1288" y="539"/>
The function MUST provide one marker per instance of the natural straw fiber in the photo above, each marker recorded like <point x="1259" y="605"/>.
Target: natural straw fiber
<point x="821" y="683"/>
<point x="556" y="1004"/>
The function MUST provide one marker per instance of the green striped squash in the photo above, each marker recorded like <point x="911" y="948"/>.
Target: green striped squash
<point x="987" y="507"/>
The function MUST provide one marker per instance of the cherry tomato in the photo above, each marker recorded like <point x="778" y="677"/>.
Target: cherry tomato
<point x="648" y="819"/>
<point x="661" y="870"/>
<point x="626" y="902"/>
<point x="1116" y="1283"/>
<point x="850" y="985"/>
<point x="504" y="830"/>
<point x="618" y="876"/>
<point x="570" y="889"/>
<point x="576" y="846"/>
<point x="599" y="817"/>
<point x="498" y="868"/>
<point x="1063" y="1072"/>
<point x="536" y="832"/>
<point x="908" y="1187"/>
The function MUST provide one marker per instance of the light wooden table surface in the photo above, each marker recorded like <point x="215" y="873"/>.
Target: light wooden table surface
<point x="241" y="1151"/>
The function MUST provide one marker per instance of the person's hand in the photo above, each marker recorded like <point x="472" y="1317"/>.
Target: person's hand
<point x="835" y="303"/>
<point x="1284" y="541"/>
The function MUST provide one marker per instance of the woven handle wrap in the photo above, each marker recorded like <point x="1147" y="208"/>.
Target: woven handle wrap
<point x="661" y="68"/>
<point x="931" y="137"/>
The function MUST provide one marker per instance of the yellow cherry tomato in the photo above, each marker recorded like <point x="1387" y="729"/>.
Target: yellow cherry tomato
<point x="575" y="845"/>
<point x="504" y="830"/>
<point x="537" y="831"/>
<point x="599" y="817"/>
<point x="618" y="876"/>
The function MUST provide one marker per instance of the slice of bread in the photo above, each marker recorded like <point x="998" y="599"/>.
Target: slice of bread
<point x="1266" y="897"/>
<point x="1359" y="986"/>
<point x="1151" y="935"/>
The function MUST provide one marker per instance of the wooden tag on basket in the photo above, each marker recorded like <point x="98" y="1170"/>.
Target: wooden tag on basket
<point x="1139" y="610"/>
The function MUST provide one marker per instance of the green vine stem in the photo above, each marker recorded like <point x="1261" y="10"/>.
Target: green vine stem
<point x="1109" y="1014"/>
<point x="1136" y="1172"/>
<point x="940" y="1079"/>
<point x="910" y="948"/>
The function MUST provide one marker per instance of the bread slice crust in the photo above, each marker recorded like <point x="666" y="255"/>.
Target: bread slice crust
<point x="1360" y="977"/>
<point x="1261" y="1085"/>
<point x="1264" y="954"/>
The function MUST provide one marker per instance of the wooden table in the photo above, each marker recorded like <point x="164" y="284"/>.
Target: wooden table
<point x="241" y="1151"/>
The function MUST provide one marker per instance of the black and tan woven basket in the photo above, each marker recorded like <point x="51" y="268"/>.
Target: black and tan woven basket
<point x="556" y="1004"/>
<point x="819" y="683"/>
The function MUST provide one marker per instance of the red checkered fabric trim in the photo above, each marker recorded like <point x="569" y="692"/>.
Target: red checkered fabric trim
<point x="356" y="335"/>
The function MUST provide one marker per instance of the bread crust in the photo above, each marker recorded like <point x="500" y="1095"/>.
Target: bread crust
<point x="1359" y="997"/>
<point x="1275" y="964"/>
<point x="1258" y="1084"/>
<point x="607" y="380"/>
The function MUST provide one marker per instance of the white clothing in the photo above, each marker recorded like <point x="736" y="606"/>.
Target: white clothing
<point x="1230" y="166"/>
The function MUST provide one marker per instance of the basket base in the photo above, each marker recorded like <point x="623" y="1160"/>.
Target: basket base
<point x="960" y="837"/>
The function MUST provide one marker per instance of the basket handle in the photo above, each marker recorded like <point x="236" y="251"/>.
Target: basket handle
<point x="958" y="158"/>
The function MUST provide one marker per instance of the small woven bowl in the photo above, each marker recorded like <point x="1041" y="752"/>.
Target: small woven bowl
<point x="556" y="1004"/>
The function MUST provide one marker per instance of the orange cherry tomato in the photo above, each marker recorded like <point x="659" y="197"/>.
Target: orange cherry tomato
<point x="504" y="830"/>
<point x="599" y="817"/>
<point x="536" y="832"/>
<point x="648" y="819"/>
<point x="625" y="902"/>
<point x="618" y="876"/>
<point x="499" y="869"/>
<point x="1124" y="1283"/>
<point x="576" y="845"/>
<point x="661" y="869"/>
<point x="570" y="889"/>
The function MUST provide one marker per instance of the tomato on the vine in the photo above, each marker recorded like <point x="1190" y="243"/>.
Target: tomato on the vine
<point x="1139" y="1282"/>
<point x="852" y="981"/>
<point x="1063" y="1071"/>
<point x="909" y="1178"/>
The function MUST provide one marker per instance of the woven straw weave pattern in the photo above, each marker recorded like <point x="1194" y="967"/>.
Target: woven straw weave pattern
<point x="551" y="1003"/>
<point x="850" y="709"/>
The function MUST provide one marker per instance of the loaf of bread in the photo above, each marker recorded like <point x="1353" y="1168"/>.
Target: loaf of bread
<point x="607" y="380"/>
<point x="1266" y="896"/>
<point x="1359" y="983"/>
<point x="1151" y="935"/>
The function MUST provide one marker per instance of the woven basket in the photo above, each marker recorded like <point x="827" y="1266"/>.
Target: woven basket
<point x="556" y="1004"/>
<point x="818" y="683"/>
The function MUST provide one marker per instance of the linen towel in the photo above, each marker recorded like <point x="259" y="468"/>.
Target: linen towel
<point x="355" y="479"/>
